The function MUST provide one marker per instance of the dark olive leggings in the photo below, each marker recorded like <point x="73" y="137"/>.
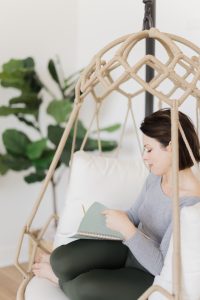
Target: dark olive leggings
<point x="95" y="270"/>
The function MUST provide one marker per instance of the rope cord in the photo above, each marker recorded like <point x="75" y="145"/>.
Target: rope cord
<point x="135" y="127"/>
<point x="89" y="128"/>
<point x="123" y="130"/>
<point x="98" y="105"/>
<point x="73" y="145"/>
<point x="197" y="114"/>
<point x="175" y="202"/>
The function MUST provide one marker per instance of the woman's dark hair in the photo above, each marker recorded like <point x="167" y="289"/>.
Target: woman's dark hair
<point x="158" y="126"/>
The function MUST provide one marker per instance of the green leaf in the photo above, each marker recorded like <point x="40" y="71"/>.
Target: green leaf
<point x="14" y="65"/>
<point x="92" y="145"/>
<point x="3" y="167"/>
<point x="34" y="150"/>
<point x="15" y="141"/>
<point x="6" y="111"/>
<point x="35" y="177"/>
<point x="16" y="163"/>
<point x="108" y="145"/>
<point x="20" y="74"/>
<point x="30" y="100"/>
<point x="66" y="155"/>
<point x="55" y="133"/>
<point x="44" y="161"/>
<point x="33" y="83"/>
<point x="109" y="128"/>
<point x="60" y="110"/>
<point x="52" y="71"/>
<point x="28" y="63"/>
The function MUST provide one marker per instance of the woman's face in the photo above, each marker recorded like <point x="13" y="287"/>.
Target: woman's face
<point x="157" y="157"/>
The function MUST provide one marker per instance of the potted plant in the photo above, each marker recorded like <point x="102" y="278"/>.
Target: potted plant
<point x="35" y="156"/>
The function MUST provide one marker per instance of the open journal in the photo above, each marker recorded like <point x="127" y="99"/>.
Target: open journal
<point x="93" y="225"/>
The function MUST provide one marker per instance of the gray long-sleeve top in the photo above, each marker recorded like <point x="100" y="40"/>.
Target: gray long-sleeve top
<point x="152" y="214"/>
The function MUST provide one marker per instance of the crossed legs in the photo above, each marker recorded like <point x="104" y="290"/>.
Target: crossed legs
<point x="94" y="269"/>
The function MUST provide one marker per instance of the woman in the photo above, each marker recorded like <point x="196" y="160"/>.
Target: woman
<point x="101" y="270"/>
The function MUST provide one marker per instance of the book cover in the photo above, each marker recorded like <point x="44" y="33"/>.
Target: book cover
<point x="93" y="225"/>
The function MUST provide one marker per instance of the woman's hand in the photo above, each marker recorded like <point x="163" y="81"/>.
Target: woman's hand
<point x="118" y="220"/>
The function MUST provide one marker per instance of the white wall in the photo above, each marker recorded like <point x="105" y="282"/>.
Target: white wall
<point x="41" y="29"/>
<point x="75" y="30"/>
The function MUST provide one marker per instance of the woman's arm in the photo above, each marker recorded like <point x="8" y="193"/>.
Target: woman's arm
<point x="148" y="252"/>
<point x="132" y="212"/>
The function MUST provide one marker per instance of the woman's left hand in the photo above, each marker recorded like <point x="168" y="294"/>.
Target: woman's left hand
<point x="119" y="221"/>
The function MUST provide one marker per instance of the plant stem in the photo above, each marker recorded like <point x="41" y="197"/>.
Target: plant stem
<point x="55" y="211"/>
<point x="60" y="175"/>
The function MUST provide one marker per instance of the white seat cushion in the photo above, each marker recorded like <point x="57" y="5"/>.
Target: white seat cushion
<point x="111" y="181"/>
<point x="43" y="289"/>
<point x="190" y="254"/>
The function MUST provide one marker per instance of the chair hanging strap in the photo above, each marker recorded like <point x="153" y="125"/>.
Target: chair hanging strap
<point x="148" y="19"/>
<point x="129" y="109"/>
<point x="197" y="115"/>
<point x="74" y="141"/>
<point x="90" y="126"/>
<point x="98" y="106"/>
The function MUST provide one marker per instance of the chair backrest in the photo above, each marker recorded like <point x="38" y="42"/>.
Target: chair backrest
<point x="111" y="181"/>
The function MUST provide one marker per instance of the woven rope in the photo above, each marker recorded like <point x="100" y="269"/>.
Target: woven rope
<point x="97" y="81"/>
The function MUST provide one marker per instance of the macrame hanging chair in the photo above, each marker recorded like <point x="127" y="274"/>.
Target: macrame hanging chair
<point x="98" y="81"/>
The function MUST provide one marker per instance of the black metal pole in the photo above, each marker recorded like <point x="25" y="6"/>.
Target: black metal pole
<point x="150" y="49"/>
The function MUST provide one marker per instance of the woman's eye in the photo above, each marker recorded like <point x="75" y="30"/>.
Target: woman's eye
<point x="147" y="150"/>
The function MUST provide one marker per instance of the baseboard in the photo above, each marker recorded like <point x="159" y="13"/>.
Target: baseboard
<point x="8" y="254"/>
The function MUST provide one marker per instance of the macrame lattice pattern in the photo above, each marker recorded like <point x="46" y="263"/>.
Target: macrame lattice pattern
<point x="174" y="80"/>
<point x="99" y="72"/>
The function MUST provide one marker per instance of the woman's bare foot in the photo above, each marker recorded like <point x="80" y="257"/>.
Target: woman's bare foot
<point x="42" y="268"/>
<point x="42" y="257"/>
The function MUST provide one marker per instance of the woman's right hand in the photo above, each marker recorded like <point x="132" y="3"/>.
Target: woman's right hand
<point x="119" y="221"/>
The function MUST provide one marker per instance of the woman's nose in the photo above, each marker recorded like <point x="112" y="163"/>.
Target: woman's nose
<point x="144" y="155"/>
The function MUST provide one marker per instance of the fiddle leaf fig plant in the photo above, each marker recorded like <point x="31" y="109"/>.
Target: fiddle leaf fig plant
<point x="22" y="152"/>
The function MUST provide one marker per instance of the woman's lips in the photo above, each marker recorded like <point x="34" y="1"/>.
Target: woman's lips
<point x="150" y="166"/>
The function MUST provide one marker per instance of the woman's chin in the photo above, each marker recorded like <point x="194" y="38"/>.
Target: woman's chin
<point x="155" y="172"/>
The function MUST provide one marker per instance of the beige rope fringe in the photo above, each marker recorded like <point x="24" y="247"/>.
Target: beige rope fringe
<point x="98" y="82"/>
